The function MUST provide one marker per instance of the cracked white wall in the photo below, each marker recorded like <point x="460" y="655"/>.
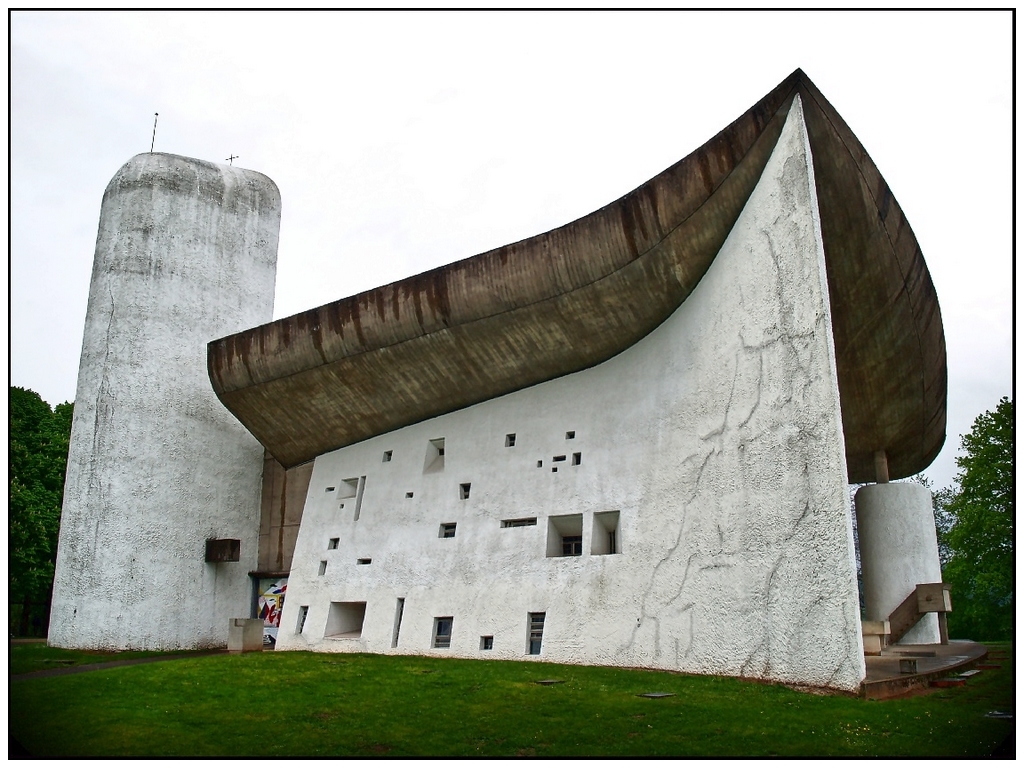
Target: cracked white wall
<point x="186" y="252"/>
<point x="717" y="438"/>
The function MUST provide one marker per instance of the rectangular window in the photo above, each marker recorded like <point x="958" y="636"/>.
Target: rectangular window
<point x="443" y="632"/>
<point x="558" y="458"/>
<point x="604" y="539"/>
<point x="303" y="612"/>
<point x="323" y="568"/>
<point x="510" y="440"/>
<point x="434" y="460"/>
<point x="486" y="642"/>
<point x="565" y="536"/>
<point x="570" y="435"/>
<point x="536" y="634"/>
<point x="464" y="491"/>
<point x="399" y="609"/>
<point x="447" y="531"/>
<point x="387" y="456"/>
<point x="363" y="561"/>
<point x="345" y="620"/>
<point x="519" y="522"/>
<point x="333" y="543"/>
<point x="576" y="459"/>
<point x="572" y="545"/>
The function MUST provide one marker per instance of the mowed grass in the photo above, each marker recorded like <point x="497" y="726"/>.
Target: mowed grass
<point x="302" y="704"/>
<point x="36" y="657"/>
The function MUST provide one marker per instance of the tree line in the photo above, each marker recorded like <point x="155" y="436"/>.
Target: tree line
<point x="38" y="457"/>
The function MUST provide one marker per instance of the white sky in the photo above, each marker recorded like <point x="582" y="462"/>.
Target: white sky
<point x="401" y="141"/>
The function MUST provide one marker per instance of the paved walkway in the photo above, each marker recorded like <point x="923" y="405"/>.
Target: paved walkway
<point x="884" y="679"/>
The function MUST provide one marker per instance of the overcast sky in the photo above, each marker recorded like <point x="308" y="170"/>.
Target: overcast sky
<point x="402" y="141"/>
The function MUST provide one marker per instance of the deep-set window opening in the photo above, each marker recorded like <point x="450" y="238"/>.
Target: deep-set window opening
<point x="510" y="440"/>
<point x="442" y="632"/>
<point x="447" y="531"/>
<point x="535" y="633"/>
<point x="464" y="490"/>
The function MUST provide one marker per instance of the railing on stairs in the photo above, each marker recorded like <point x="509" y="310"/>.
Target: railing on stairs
<point x="926" y="598"/>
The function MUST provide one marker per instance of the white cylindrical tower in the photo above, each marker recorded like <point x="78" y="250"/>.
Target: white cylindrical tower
<point x="898" y="551"/>
<point x="186" y="253"/>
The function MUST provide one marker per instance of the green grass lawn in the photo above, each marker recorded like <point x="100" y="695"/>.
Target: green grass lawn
<point x="304" y="704"/>
<point x="36" y="657"/>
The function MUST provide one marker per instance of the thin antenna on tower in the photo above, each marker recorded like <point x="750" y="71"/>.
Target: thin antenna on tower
<point x="156" y="116"/>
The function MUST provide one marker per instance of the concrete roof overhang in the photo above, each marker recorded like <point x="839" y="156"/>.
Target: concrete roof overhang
<point x="573" y="297"/>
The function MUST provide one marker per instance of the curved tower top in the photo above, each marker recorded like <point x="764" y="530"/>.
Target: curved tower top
<point x="573" y="297"/>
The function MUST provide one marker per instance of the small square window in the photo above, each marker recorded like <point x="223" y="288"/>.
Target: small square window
<point x="464" y="490"/>
<point x="447" y="531"/>
<point x="570" y="435"/>
<point x="323" y="568"/>
<point x="510" y="440"/>
<point x="486" y="642"/>
<point x="333" y="543"/>
<point x="387" y="456"/>
<point x="442" y="632"/>
<point x="572" y="545"/>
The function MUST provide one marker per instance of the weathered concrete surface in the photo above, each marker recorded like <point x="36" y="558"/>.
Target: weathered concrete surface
<point x="898" y="551"/>
<point x="716" y="438"/>
<point x="568" y="299"/>
<point x="186" y="252"/>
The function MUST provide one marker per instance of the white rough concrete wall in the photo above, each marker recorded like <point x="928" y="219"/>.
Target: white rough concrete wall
<point x="186" y="253"/>
<point x="898" y="551"/>
<point x="717" y="438"/>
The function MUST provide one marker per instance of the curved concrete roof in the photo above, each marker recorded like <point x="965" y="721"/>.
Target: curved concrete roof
<point x="573" y="297"/>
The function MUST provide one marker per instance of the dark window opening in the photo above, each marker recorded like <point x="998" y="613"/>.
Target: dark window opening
<point x="364" y="560"/>
<point x="572" y="545"/>
<point x="576" y="459"/>
<point x="520" y="522"/>
<point x="387" y="456"/>
<point x="443" y="632"/>
<point x="570" y="435"/>
<point x="486" y="642"/>
<point x="447" y="531"/>
<point x="510" y="440"/>
<point x="464" y="490"/>
<point x="536" y="633"/>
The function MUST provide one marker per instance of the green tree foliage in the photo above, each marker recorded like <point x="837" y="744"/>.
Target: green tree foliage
<point x="974" y="518"/>
<point x="38" y="459"/>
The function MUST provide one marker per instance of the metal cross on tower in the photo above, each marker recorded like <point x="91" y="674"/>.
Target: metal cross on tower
<point x="232" y="159"/>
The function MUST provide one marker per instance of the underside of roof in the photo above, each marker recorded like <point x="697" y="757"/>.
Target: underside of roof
<point x="573" y="297"/>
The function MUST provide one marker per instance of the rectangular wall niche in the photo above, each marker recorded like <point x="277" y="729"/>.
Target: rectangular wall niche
<point x="434" y="461"/>
<point x="352" y="488"/>
<point x="223" y="550"/>
<point x="565" y="535"/>
<point x="605" y="539"/>
<point x="345" y="620"/>
<point x="447" y="531"/>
